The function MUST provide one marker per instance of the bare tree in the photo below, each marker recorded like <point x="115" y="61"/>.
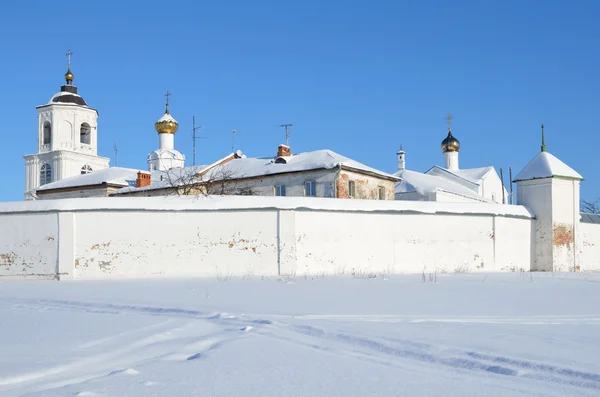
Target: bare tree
<point x="193" y="181"/>
<point x="590" y="207"/>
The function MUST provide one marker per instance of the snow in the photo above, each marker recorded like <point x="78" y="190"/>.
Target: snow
<point x="248" y="167"/>
<point x="426" y="184"/>
<point x="468" y="175"/>
<point x="546" y="165"/>
<point x="517" y="334"/>
<point x="225" y="203"/>
<point x="112" y="176"/>
<point x="166" y="117"/>
<point x="59" y="94"/>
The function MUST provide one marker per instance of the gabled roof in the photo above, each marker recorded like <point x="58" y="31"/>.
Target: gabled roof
<point x="115" y="176"/>
<point x="474" y="176"/>
<point x="318" y="159"/>
<point x="426" y="184"/>
<point x="251" y="167"/>
<point x="546" y="165"/>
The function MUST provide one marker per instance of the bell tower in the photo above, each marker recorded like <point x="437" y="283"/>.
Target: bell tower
<point x="67" y="139"/>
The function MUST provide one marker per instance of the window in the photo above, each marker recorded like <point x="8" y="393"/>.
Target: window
<point x="280" y="190"/>
<point x="45" y="174"/>
<point x="381" y="193"/>
<point x="47" y="139"/>
<point x="85" y="133"/>
<point x="351" y="189"/>
<point x="86" y="169"/>
<point x="310" y="189"/>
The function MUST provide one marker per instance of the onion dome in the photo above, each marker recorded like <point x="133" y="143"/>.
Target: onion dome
<point x="166" y="124"/>
<point x="450" y="144"/>
<point x="69" y="77"/>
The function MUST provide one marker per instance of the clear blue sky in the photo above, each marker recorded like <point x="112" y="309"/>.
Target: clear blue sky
<point x="356" y="77"/>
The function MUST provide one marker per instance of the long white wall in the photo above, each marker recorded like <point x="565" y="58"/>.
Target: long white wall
<point x="589" y="247"/>
<point x="223" y="236"/>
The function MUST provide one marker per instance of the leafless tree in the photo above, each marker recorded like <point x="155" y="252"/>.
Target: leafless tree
<point x="590" y="207"/>
<point x="193" y="181"/>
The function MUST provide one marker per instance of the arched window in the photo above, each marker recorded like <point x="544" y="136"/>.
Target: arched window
<point x="47" y="139"/>
<point x="45" y="174"/>
<point x="85" y="133"/>
<point x="86" y="169"/>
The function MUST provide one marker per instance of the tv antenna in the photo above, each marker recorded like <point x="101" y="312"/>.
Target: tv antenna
<point x="287" y="132"/>
<point x="233" y="132"/>
<point x="116" y="153"/>
<point x="195" y="137"/>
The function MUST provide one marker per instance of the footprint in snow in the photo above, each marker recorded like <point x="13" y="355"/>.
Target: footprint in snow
<point x="246" y="328"/>
<point x="128" y="371"/>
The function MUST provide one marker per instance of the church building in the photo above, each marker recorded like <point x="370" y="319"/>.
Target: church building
<point x="67" y="139"/>
<point x="449" y="183"/>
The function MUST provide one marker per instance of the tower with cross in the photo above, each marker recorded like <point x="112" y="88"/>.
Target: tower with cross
<point x="67" y="138"/>
<point x="166" y="156"/>
<point x="450" y="147"/>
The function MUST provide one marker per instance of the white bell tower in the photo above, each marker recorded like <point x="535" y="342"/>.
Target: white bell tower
<point x="67" y="139"/>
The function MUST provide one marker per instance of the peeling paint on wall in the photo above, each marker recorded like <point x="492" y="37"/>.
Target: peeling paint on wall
<point x="562" y="234"/>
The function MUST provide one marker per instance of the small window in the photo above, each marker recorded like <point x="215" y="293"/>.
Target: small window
<point x="86" y="169"/>
<point x="45" y="174"/>
<point x="280" y="160"/>
<point x="310" y="189"/>
<point x="493" y="197"/>
<point x="381" y="193"/>
<point x="280" y="190"/>
<point x="351" y="189"/>
<point x="47" y="139"/>
<point x="85" y="133"/>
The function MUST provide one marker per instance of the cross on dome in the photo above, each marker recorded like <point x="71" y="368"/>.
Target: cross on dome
<point x="449" y="118"/>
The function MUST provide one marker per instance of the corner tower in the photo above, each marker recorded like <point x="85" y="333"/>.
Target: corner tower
<point x="67" y="139"/>
<point x="166" y="157"/>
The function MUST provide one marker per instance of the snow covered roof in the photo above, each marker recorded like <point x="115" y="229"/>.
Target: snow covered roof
<point x="472" y="175"/>
<point x="67" y="98"/>
<point x="245" y="167"/>
<point x="111" y="176"/>
<point x="426" y="184"/>
<point x="318" y="159"/>
<point x="546" y="165"/>
<point x="166" y="117"/>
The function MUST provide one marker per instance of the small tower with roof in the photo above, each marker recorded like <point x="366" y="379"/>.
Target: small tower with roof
<point x="450" y="147"/>
<point x="67" y="138"/>
<point x="166" y="157"/>
<point x="550" y="189"/>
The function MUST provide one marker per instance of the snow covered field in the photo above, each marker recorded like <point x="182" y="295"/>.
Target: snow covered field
<point x="466" y="335"/>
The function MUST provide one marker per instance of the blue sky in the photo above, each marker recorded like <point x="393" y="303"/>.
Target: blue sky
<point x="357" y="77"/>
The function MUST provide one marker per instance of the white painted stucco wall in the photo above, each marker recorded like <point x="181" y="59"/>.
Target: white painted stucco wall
<point x="28" y="245"/>
<point x="589" y="247"/>
<point x="223" y="236"/>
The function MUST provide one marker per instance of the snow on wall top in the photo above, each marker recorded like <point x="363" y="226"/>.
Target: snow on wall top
<point x="426" y="184"/>
<point x="224" y="203"/>
<point x="546" y="165"/>
<point x="112" y="175"/>
<point x="471" y="175"/>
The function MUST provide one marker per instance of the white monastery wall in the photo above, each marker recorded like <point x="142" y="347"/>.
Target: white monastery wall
<point x="589" y="247"/>
<point x="28" y="245"/>
<point x="224" y="236"/>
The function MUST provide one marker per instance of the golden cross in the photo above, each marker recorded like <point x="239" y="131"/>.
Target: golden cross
<point x="69" y="53"/>
<point x="449" y="121"/>
<point x="167" y="95"/>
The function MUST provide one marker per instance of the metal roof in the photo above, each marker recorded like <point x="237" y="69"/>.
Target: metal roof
<point x="590" y="218"/>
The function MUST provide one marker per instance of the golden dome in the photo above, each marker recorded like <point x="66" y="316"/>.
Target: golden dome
<point x="69" y="76"/>
<point x="166" y="124"/>
<point x="450" y="144"/>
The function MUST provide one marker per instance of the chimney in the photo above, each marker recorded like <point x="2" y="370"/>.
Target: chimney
<point x="143" y="179"/>
<point x="283" y="151"/>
